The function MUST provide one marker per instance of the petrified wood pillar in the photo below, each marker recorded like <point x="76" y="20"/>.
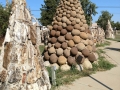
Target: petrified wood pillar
<point x="21" y="65"/>
<point x="109" y="32"/>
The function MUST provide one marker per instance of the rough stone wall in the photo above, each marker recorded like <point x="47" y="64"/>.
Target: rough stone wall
<point x="98" y="34"/>
<point x="21" y="66"/>
<point x="70" y="41"/>
<point x="109" y="32"/>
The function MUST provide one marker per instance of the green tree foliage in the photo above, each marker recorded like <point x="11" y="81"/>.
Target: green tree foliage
<point x="115" y="24"/>
<point x="48" y="11"/>
<point x="4" y="18"/>
<point x="103" y="19"/>
<point x="89" y="9"/>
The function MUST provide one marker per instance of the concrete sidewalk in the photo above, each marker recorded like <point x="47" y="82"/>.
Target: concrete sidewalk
<point x="107" y="80"/>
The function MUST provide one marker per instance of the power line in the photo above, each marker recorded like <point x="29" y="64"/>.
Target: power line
<point x="97" y="6"/>
<point x="108" y="6"/>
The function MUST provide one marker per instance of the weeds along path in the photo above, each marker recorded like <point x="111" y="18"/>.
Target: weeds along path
<point x="106" y="80"/>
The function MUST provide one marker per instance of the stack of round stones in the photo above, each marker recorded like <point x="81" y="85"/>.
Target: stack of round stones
<point x="70" y="39"/>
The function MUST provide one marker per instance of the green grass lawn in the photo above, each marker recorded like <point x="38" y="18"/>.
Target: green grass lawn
<point x="117" y="38"/>
<point x="106" y="43"/>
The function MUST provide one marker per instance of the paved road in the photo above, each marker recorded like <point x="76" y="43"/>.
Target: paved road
<point x="107" y="80"/>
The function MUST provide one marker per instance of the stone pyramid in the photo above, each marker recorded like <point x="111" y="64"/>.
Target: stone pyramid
<point x="21" y="66"/>
<point x="70" y="39"/>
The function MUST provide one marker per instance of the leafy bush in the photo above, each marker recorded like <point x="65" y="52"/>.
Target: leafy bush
<point x="4" y="19"/>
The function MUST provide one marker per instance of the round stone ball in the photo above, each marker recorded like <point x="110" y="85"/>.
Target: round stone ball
<point x="57" y="45"/>
<point x="55" y="27"/>
<point x="62" y="60"/>
<point x="50" y="27"/>
<point x="85" y="26"/>
<point x="60" y="23"/>
<point x="73" y="13"/>
<point x="59" y="51"/>
<point x="90" y="42"/>
<point x="71" y="43"/>
<point x="58" y="19"/>
<point x="64" y="19"/>
<point x="63" y="31"/>
<point x="46" y="56"/>
<point x="76" y="39"/>
<point x="77" y="26"/>
<point x="55" y="22"/>
<point x="90" y="48"/>
<point x="85" y="42"/>
<point x="80" y="46"/>
<point x="72" y="19"/>
<point x="74" y="51"/>
<point x="64" y="45"/>
<point x="71" y="60"/>
<point x="68" y="15"/>
<point x="83" y="35"/>
<point x="73" y="23"/>
<point x="59" y="28"/>
<point x="57" y="34"/>
<point x="65" y="67"/>
<point x="51" y="50"/>
<point x="66" y="52"/>
<point x="64" y="25"/>
<point x="85" y="52"/>
<point x="68" y="22"/>
<point x="53" y="58"/>
<point x="60" y="15"/>
<point x="82" y="29"/>
<point x="77" y="21"/>
<point x="49" y="45"/>
<point x="91" y="57"/>
<point x="69" y="28"/>
<point x="75" y="32"/>
<point x="89" y="36"/>
<point x="81" y="24"/>
<point x="61" y="39"/>
<point x="79" y="59"/>
<point x="53" y="32"/>
<point x="53" y="40"/>
<point x="68" y="36"/>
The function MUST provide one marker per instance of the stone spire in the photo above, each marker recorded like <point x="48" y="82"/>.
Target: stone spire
<point x="70" y="39"/>
<point x="109" y="32"/>
<point x="21" y="66"/>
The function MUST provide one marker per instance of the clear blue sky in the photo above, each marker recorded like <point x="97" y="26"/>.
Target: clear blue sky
<point x="36" y="5"/>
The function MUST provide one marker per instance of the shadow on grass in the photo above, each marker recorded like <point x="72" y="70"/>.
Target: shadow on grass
<point x="115" y="49"/>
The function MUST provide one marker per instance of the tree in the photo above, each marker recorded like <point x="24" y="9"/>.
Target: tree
<point x="117" y="25"/>
<point x="48" y="11"/>
<point x="89" y="9"/>
<point x="103" y="19"/>
<point x="4" y="18"/>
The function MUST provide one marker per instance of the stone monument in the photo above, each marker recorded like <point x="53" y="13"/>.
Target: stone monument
<point x="109" y="31"/>
<point x="21" y="65"/>
<point x="70" y="41"/>
<point x="98" y="34"/>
